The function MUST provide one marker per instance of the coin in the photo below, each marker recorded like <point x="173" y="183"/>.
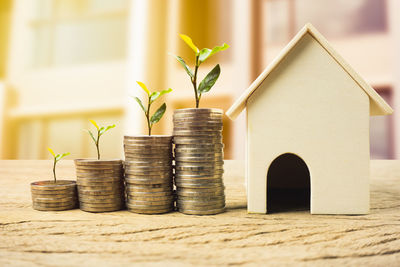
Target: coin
<point x="99" y="163"/>
<point x="116" y="200"/>
<point x="149" y="194"/>
<point x="158" y="211"/>
<point x="51" y="185"/>
<point x="53" y="194"/>
<point x="202" y="212"/>
<point x="91" y="208"/>
<point x="185" y="193"/>
<point x="148" y="138"/>
<point x="40" y="199"/>
<point x="55" y="208"/>
<point x="148" y="207"/>
<point x="148" y="189"/>
<point x="99" y="192"/>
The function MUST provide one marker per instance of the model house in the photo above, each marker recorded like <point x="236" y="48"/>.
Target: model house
<point x="308" y="128"/>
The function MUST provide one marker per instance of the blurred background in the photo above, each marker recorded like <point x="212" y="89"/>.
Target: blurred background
<point x="63" y="62"/>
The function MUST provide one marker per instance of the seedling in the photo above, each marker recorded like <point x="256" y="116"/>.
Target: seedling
<point x="100" y="132"/>
<point x="57" y="158"/>
<point x="152" y="96"/>
<point x="200" y="57"/>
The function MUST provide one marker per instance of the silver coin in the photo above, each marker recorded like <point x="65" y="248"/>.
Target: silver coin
<point x="54" y="204"/>
<point x="144" y="163"/>
<point x="52" y="186"/>
<point x="83" y="192"/>
<point x="202" y="212"/>
<point x="196" y="141"/>
<point x="148" y="189"/>
<point x="104" y="184"/>
<point x="95" y="162"/>
<point x="135" y="173"/>
<point x="197" y="186"/>
<point x="151" y="198"/>
<point x="109" y="201"/>
<point x="136" y="201"/>
<point x="179" y="181"/>
<point x="213" y="189"/>
<point x="200" y="205"/>
<point x="148" y="194"/>
<point x="199" y="147"/>
<point x="185" y="193"/>
<point x="56" y="208"/>
<point x="53" y="194"/>
<point x="148" y="207"/>
<point x="194" y="199"/>
<point x="100" y="179"/>
<point x="54" y="200"/>
<point x="149" y="181"/>
<point x="152" y="138"/>
<point x="158" y="211"/>
<point x="197" y="160"/>
<point x="90" y="208"/>
<point x="97" y="197"/>
<point x="96" y="188"/>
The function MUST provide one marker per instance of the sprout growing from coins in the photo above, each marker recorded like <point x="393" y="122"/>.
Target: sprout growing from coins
<point x="100" y="132"/>
<point x="151" y="97"/>
<point x="57" y="158"/>
<point x="201" y="56"/>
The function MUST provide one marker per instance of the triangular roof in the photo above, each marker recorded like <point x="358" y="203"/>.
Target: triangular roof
<point x="378" y="106"/>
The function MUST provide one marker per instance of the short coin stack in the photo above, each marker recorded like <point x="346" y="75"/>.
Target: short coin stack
<point x="199" y="161"/>
<point x="100" y="185"/>
<point x="53" y="196"/>
<point x="149" y="174"/>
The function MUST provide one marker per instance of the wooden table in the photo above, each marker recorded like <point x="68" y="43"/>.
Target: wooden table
<point x="73" y="238"/>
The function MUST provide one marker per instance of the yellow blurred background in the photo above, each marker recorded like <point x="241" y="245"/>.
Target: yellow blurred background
<point x="63" y="62"/>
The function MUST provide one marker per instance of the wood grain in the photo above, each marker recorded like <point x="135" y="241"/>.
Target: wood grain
<point x="71" y="238"/>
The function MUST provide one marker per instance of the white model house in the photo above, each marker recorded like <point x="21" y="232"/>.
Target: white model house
<point x="311" y="105"/>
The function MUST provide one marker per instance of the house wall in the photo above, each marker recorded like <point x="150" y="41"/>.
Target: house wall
<point x="311" y="107"/>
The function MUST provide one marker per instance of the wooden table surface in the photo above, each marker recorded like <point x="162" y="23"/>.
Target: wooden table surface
<point x="74" y="237"/>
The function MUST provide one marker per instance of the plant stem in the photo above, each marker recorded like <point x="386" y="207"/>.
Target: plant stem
<point x="194" y="81"/>
<point x="54" y="170"/>
<point x="97" y="145"/>
<point x="148" y="117"/>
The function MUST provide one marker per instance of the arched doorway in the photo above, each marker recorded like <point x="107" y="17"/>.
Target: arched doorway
<point x="288" y="184"/>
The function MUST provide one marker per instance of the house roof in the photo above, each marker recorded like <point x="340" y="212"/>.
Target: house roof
<point x="378" y="106"/>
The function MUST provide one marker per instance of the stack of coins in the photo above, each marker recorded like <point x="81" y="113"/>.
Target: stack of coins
<point x="53" y="196"/>
<point x="100" y="185"/>
<point x="149" y="174"/>
<point x="199" y="161"/>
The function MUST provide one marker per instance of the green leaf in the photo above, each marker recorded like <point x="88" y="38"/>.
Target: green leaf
<point x="103" y="130"/>
<point x="95" y="124"/>
<point x="144" y="87"/>
<point x="91" y="135"/>
<point x="154" y="96"/>
<point x="158" y="114"/>
<point x="189" y="42"/>
<point x="140" y="104"/>
<point x="206" y="52"/>
<point x="209" y="80"/>
<point x="51" y="151"/>
<point x="219" y="48"/>
<point x="60" y="156"/>
<point x="184" y="65"/>
<point x="166" y="91"/>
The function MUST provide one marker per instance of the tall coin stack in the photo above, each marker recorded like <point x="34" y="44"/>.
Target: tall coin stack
<point x="149" y="174"/>
<point x="100" y="185"/>
<point x="53" y="196"/>
<point x="199" y="161"/>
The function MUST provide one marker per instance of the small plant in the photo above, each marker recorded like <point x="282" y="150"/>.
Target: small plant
<point x="201" y="56"/>
<point x="100" y="132"/>
<point x="152" y="96"/>
<point x="57" y="158"/>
